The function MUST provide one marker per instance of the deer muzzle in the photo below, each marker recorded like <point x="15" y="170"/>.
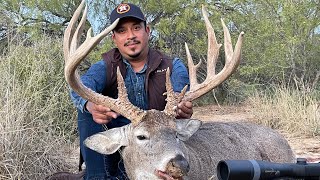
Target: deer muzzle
<point x="177" y="167"/>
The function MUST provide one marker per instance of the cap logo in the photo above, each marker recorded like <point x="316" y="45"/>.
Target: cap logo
<point x="123" y="8"/>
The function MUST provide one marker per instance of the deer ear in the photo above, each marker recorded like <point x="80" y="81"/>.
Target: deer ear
<point x="108" y="142"/>
<point x="187" y="127"/>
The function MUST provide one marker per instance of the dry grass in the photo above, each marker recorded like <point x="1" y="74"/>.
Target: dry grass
<point x="37" y="117"/>
<point x="292" y="111"/>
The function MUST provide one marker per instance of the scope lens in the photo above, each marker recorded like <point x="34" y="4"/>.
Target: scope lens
<point x="222" y="171"/>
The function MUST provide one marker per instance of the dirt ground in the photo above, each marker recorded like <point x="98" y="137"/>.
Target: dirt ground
<point x="304" y="147"/>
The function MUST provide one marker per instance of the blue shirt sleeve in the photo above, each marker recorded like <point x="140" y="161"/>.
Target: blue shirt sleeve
<point x="95" y="79"/>
<point x="179" y="75"/>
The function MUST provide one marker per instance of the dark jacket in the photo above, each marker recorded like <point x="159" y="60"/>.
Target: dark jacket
<point x="155" y="76"/>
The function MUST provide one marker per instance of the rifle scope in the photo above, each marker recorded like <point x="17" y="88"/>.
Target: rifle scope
<point x="263" y="170"/>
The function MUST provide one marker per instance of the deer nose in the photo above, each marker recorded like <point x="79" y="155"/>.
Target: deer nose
<point x="178" y="167"/>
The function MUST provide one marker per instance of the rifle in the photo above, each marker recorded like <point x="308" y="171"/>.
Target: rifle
<point x="263" y="170"/>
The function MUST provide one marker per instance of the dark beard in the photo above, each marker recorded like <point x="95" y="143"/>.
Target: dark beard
<point x="135" y="55"/>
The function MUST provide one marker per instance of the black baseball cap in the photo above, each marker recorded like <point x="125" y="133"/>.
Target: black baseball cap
<point x="126" y="10"/>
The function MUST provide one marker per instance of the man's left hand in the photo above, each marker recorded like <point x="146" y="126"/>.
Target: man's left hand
<point x="184" y="110"/>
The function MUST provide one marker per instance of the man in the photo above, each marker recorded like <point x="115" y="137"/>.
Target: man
<point x="144" y="72"/>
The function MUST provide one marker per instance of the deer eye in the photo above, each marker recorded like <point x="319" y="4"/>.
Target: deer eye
<point x="141" y="137"/>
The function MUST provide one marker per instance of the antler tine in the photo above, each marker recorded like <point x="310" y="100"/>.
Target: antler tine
<point x="231" y="63"/>
<point x="79" y="30"/>
<point x="69" y="32"/>
<point x="123" y="106"/>
<point x="172" y="98"/>
<point x="213" y="46"/>
<point x="74" y="55"/>
<point x="192" y="69"/>
<point x="232" y="57"/>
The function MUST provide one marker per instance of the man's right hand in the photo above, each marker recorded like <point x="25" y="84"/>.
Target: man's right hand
<point x="101" y="114"/>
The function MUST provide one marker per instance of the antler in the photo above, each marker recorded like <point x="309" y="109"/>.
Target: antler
<point x="232" y="61"/>
<point x="74" y="55"/>
<point x="172" y="98"/>
<point x="213" y="80"/>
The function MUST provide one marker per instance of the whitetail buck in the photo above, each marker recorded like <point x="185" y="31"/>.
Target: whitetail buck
<point x="156" y="143"/>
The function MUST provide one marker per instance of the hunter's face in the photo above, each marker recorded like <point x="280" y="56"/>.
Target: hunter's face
<point x="131" y="36"/>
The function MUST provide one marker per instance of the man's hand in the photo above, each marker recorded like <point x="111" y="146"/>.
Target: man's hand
<point x="184" y="110"/>
<point x="101" y="114"/>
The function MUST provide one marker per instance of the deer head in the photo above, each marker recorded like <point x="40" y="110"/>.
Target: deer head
<point x="145" y="136"/>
